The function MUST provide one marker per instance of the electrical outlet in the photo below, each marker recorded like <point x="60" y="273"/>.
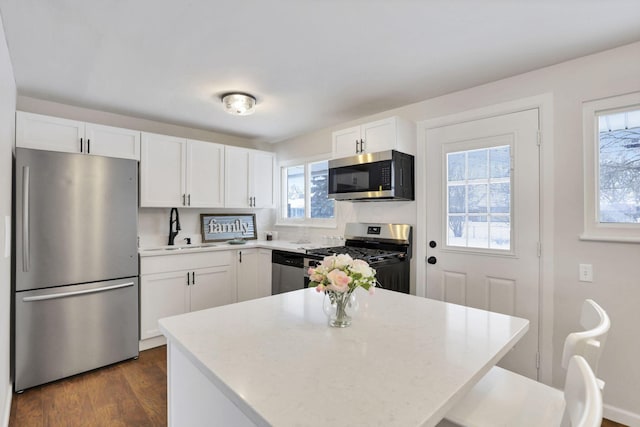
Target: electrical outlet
<point x="585" y="273"/>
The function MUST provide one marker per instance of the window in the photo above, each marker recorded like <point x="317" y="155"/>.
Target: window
<point x="479" y="198"/>
<point x="304" y="194"/>
<point x="612" y="168"/>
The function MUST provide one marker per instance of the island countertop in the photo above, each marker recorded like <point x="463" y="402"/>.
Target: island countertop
<point x="404" y="361"/>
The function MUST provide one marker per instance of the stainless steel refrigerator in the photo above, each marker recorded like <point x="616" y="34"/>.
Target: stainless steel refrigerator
<point x="76" y="264"/>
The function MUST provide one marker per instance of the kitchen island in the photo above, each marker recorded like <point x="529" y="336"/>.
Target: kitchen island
<point x="404" y="361"/>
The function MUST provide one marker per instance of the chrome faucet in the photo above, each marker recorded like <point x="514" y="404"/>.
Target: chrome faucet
<point x="173" y="234"/>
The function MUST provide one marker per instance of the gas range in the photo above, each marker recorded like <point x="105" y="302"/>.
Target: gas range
<point x="372" y="255"/>
<point x="386" y="247"/>
<point x="373" y="243"/>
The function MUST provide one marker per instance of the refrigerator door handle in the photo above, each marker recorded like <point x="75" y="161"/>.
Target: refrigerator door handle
<point x="69" y="294"/>
<point x="25" y="219"/>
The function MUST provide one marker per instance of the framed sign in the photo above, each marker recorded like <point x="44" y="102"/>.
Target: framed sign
<point x="219" y="227"/>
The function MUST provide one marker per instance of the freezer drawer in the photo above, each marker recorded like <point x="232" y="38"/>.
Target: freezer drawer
<point x="71" y="329"/>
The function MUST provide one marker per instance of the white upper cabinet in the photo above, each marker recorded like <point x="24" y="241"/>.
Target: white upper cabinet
<point x="261" y="176"/>
<point x="55" y="134"/>
<point x="205" y="174"/>
<point x="112" y="142"/>
<point x="236" y="178"/>
<point x="162" y="164"/>
<point x="392" y="133"/>
<point x="181" y="172"/>
<point x="249" y="178"/>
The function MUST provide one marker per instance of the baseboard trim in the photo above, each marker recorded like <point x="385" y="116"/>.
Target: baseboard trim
<point x="152" y="342"/>
<point x="7" y="406"/>
<point x="621" y="416"/>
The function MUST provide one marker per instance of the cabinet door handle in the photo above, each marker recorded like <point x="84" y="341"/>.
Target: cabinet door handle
<point x="188" y="279"/>
<point x="362" y="146"/>
<point x="183" y="199"/>
<point x="193" y="278"/>
<point x="88" y="146"/>
<point x="240" y="253"/>
<point x="357" y="144"/>
<point x="81" y="146"/>
<point x="189" y="200"/>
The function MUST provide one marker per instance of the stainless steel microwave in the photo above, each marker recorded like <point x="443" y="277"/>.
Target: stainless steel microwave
<point x="386" y="175"/>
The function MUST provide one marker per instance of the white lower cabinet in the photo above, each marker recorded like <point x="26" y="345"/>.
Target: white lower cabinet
<point x="176" y="284"/>
<point x="253" y="273"/>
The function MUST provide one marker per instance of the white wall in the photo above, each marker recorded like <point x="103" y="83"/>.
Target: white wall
<point x="616" y="266"/>
<point x="7" y="130"/>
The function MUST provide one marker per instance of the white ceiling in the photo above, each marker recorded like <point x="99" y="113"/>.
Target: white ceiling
<point x="310" y="63"/>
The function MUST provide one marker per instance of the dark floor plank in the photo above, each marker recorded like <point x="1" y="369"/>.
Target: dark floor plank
<point x="130" y="393"/>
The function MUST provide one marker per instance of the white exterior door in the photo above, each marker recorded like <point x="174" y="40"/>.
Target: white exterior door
<point x="483" y="225"/>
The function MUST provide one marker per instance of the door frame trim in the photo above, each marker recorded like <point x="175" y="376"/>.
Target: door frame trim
<point x="544" y="104"/>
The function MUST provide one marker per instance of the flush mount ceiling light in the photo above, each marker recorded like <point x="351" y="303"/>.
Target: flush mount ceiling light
<point x="239" y="104"/>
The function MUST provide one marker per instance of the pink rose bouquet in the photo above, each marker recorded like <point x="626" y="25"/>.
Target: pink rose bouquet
<point x="341" y="273"/>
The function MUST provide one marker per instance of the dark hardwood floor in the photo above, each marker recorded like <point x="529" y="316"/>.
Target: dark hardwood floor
<point x="131" y="393"/>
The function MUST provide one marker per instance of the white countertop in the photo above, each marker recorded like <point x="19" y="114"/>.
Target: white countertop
<point x="404" y="361"/>
<point x="223" y="246"/>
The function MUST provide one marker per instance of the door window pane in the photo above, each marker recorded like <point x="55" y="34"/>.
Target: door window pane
<point x="294" y="176"/>
<point x="500" y="197"/>
<point x="477" y="164"/>
<point x="479" y="198"/>
<point x="500" y="162"/>
<point x="456" y="168"/>
<point x="619" y="164"/>
<point x="456" y="200"/>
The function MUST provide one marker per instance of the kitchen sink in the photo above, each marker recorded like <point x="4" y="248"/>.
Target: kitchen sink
<point x="180" y="248"/>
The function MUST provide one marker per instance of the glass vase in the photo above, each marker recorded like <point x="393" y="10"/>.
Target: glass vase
<point x="339" y="307"/>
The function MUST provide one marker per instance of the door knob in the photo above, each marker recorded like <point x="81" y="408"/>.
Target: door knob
<point x="432" y="260"/>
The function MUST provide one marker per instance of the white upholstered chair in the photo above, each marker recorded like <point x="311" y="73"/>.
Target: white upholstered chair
<point x="504" y="398"/>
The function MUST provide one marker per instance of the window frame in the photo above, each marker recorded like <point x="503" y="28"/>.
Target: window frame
<point x="306" y="221"/>
<point x="479" y="144"/>
<point x="593" y="228"/>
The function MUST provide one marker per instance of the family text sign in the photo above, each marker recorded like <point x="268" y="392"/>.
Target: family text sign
<point x="219" y="227"/>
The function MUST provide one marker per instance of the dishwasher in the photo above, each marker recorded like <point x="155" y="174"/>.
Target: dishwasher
<point x="288" y="271"/>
